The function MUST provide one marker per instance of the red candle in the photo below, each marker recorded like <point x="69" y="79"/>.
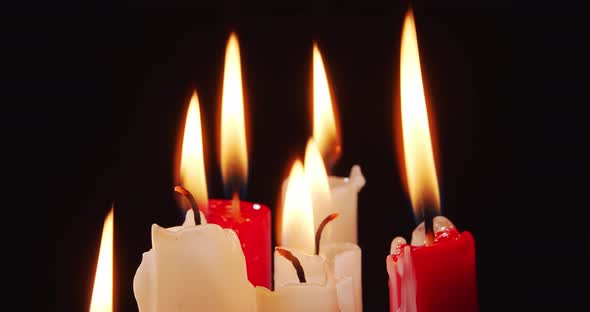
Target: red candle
<point x="439" y="277"/>
<point x="437" y="271"/>
<point x="252" y="224"/>
<point x="250" y="221"/>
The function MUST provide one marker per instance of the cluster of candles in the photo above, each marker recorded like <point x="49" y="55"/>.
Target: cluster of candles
<point x="219" y="259"/>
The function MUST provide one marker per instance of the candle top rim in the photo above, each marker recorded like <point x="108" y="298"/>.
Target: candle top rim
<point x="247" y="209"/>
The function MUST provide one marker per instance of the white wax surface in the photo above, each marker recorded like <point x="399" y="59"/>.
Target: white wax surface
<point x="344" y="193"/>
<point x="297" y="298"/>
<point x="344" y="201"/>
<point x="337" y="269"/>
<point x="404" y="268"/>
<point x="439" y="223"/>
<point x="194" y="268"/>
<point x="285" y="274"/>
<point x="344" y="263"/>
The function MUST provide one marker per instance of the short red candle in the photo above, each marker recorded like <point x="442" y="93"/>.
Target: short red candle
<point x="252" y="224"/>
<point x="439" y="278"/>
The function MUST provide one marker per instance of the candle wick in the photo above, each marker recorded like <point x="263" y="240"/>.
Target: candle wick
<point x="289" y="256"/>
<point x="235" y="204"/>
<point x="429" y="214"/>
<point x="318" y="233"/>
<point x="184" y="192"/>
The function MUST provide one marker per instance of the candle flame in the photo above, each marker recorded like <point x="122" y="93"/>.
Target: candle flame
<point x="325" y="128"/>
<point x="234" y="156"/>
<point x="418" y="155"/>
<point x="317" y="180"/>
<point x="102" y="292"/>
<point x="192" y="163"/>
<point x="297" y="226"/>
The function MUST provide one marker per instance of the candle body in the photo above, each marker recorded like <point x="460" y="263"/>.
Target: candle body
<point x="193" y="268"/>
<point x="343" y="200"/>
<point x="332" y="292"/>
<point x="297" y="298"/>
<point x="344" y="262"/>
<point x="440" y="277"/>
<point x="252" y="225"/>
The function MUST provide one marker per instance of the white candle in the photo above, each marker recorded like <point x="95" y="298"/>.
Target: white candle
<point x="344" y="196"/>
<point x="338" y="239"/>
<point x="338" y="265"/>
<point x="193" y="268"/>
<point x="317" y="293"/>
<point x="343" y="190"/>
<point x="344" y="263"/>
<point x="332" y="195"/>
<point x="297" y="298"/>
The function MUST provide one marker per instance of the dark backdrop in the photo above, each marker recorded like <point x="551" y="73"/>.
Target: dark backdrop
<point x="103" y="90"/>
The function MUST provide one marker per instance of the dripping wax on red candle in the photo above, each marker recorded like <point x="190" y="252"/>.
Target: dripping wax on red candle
<point x="442" y="276"/>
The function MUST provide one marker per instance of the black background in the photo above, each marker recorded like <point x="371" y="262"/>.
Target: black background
<point x="99" y="92"/>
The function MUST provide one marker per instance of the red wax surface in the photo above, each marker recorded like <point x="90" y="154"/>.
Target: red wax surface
<point x="252" y="224"/>
<point x="444" y="275"/>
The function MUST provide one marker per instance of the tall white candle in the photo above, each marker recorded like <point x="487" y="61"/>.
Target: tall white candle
<point x="326" y="132"/>
<point x="338" y="239"/>
<point x="193" y="268"/>
<point x="332" y="195"/>
<point x="338" y="265"/>
<point x="297" y="236"/>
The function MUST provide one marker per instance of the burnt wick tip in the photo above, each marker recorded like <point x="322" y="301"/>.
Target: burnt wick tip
<point x="296" y="264"/>
<point x="318" y="233"/>
<point x="184" y="192"/>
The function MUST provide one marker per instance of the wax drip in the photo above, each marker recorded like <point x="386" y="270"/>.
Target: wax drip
<point x="289" y="256"/>
<point x="318" y="233"/>
<point x="184" y="192"/>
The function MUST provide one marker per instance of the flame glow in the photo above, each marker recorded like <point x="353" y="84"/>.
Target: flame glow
<point x="234" y="156"/>
<point x="317" y="180"/>
<point x="192" y="163"/>
<point x="102" y="292"/>
<point x="297" y="228"/>
<point x="325" y="129"/>
<point x="417" y="146"/>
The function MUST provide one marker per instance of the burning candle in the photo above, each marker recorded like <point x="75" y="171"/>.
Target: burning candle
<point x="326" y="132"/>
<point x="301" y="276"/>
<point x="436" y="272"/>
<point x="193" y="267"/>
<point x="344" y="258"/>
<point x="331" y="265"/>
<point x="251" y="221"/>
<point x="102" y="292"/>
<point x="343" y="190"/>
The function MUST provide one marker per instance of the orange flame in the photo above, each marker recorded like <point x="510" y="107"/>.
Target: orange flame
<point x="297" y="224"/>
<point x="234" y="155"/>
<point x="418" y="155"/>
<point x="192" y="163"/>
<point x="325" y="128"/>
<point x="102" y="292"/>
